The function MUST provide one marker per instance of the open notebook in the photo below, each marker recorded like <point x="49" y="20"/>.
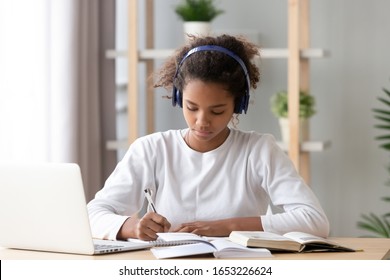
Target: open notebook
<point x="43" y="207"/>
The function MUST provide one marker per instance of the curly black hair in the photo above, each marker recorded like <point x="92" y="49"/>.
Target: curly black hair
<point x="212" y="66"/>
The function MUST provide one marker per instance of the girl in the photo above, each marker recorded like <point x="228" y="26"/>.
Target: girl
<point x="209" y="178"/>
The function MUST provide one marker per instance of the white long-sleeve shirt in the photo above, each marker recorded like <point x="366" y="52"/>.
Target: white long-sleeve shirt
<point x="243" y="177"/>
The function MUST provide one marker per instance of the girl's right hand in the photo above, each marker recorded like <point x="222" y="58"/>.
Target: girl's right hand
<point x="144" y="228"/>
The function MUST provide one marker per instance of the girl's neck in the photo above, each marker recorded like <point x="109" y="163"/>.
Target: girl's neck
<point x="206" y="146"/>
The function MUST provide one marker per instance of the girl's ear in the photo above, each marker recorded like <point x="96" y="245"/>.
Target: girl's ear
<point x="235" y="120"/>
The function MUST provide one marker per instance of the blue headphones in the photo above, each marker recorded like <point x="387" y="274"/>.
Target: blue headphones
<point x="242" y="105"/>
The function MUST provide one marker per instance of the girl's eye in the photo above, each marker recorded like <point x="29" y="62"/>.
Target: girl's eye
<point x="191" y="108"/>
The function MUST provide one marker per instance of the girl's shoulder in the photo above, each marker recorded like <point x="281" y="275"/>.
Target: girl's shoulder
<point x="255" y="142"/>
<point x="261" y="147"/>
<point x="253" y="137"/>
<point x="158" y="137"/>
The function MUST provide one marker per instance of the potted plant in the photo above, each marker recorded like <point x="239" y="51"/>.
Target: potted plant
<point x="279" y="107"/>
<point x="197" y="15"/>
<point x="380" y="224"/>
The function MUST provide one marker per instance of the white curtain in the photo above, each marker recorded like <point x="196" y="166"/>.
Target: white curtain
<point x="49" y="84"/>
<point x="24" y="89"/>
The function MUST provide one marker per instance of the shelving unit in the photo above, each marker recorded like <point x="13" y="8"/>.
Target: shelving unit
<point x="297" y="53"/>
<point x="151" y="54"/>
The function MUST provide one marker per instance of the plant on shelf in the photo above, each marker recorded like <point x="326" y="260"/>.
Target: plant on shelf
<point x="380" y="224"/>
<point x="279" y="107"/>
<point x="197" y="15"/>
<point x="197" y="10"/>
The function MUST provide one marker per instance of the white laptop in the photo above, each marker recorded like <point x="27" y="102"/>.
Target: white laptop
<point x="43" y="207"/>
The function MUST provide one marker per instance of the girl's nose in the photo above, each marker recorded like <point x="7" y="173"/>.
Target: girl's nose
<point x="202" y="120"/>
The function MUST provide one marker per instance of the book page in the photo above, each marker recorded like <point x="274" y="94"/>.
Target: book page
<point x="221" y="248"/>
<point x="229" y="249"/>
<point x="263" y="235"/>
<point x="304" y="238"/>
<point x="183" y="250"/>
<point x="179" y="236"/>
<point x="315" y="243"/>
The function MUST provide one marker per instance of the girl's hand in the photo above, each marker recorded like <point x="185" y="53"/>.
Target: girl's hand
<point x="144" y="228"/>
<point x="206" y="228"/>
<point x="221" y="227"/>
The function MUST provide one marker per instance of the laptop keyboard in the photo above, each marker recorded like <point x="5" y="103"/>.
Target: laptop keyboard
<point x="107" y="246"/>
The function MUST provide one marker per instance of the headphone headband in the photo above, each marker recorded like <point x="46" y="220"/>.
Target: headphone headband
<point x="242" y="104"/>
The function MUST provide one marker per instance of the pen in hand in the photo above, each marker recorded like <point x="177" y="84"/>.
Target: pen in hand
<point x="150" y="200"/>
<point x="162" y="221"/>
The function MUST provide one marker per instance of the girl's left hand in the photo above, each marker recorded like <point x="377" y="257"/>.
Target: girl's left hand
<point x="205" y="228"/>
<point x="221" y="227"/>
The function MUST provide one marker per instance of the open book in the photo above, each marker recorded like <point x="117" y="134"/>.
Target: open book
<point x="292" y="241"/>
<point x="193" y="244"/>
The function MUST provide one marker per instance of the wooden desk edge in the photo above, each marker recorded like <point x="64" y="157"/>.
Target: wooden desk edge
<point x="373" y="249"/>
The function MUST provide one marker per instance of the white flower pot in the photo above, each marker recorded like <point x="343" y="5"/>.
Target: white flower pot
<point x="196" y="28"/>
<point x="285" y="129"/>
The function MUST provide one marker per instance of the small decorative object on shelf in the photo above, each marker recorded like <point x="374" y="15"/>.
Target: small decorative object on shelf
<point x="197" y="15"/>
<point x="279" y="107"/>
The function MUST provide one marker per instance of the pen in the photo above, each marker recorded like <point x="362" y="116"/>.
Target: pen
<point x="150" y="199"/>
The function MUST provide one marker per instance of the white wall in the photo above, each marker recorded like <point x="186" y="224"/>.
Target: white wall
<point x="349" y="177"/>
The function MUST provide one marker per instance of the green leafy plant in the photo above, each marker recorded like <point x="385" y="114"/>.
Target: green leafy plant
<point x="380" y="224"/>
<point x="197" y="10"/>
<point x="279" y="105"/>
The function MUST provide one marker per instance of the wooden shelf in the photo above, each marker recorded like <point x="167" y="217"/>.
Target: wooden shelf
<point x="151" y="54"/>
<point x="117" y="145"/>
<point x="308" y="146"/>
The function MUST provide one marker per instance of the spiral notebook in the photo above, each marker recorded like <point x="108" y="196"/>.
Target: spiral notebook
<point x="172" y="239"/>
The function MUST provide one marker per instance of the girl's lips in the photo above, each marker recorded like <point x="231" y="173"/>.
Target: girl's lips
<point x="202" y="133"/>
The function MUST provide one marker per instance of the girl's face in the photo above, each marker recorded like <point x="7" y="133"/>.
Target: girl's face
<point x="207" y="109"/>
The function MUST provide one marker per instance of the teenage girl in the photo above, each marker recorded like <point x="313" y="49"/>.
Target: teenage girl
<point x="209" y="178"/>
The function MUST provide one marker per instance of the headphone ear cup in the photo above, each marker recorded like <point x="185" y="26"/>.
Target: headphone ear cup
<point x="237" y="107"/>
<point x="176" y="97"/>
<point x="242" y="104"/>
<point x="179" y="98"/>
<point x="245" y="103"/>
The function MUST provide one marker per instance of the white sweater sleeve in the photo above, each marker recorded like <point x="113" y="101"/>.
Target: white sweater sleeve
<point x="287" y="190"/>
<point x="122" y="195"/>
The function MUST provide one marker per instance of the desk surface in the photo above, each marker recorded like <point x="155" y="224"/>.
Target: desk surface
<point x="373" y="249"/>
